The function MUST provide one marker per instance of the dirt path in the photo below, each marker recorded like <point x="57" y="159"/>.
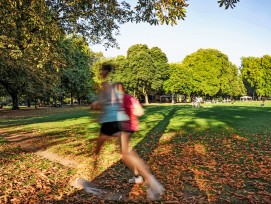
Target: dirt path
<point x="31" y="143"/>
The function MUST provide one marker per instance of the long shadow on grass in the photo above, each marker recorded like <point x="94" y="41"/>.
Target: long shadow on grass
<point x="217" y="119"/>
<point x="144" y="148"/>
<point x="233" y="139"/>
<point x="116" y="176"/>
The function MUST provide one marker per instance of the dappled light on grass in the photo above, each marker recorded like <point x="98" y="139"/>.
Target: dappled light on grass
<point x="188" y="120"/>
<point x="200" y="155"/>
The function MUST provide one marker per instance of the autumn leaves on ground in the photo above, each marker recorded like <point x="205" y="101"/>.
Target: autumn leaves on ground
<point x="212" y="154"/>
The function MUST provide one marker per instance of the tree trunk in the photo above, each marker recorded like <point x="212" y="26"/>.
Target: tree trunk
<point x="15" y="101"/>
<point x="28" y="103"/>
<point x="146" y="98"/>
<point x="35" y="103"/>
<point x="71" y="99"/>
<point x="145" y="95"/>
<point x="79" y="100"/>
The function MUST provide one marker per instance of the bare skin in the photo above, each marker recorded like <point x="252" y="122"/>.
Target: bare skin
<point x="129" y="157"/>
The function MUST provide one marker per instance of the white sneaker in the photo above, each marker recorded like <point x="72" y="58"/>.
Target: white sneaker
<point x="155" y="190"/>
<point x="136" y="179"/>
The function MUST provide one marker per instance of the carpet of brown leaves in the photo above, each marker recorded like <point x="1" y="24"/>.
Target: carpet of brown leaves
<point x="198" y="168"/>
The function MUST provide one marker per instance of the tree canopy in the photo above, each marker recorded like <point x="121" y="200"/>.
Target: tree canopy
<point x="179" y="81"/>
<point x="212" y="73"/>
<point x="32" y="52"/>
<point x="256" y="73"/>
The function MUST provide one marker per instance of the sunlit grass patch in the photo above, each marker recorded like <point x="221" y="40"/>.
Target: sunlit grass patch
<point x="220" y="153"/>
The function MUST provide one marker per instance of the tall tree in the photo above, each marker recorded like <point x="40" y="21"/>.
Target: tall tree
<point x="146" y="69"/>
<point x="76" y="74"/>
<point x="205" y="70"/>
<point x="142" y="67"/>
<point x="28" y="40"/>
<point x="162" y="68"/>
<point x="212" y="73"/>
<point x="180" y="81"/>
<point x="256" y="75"/>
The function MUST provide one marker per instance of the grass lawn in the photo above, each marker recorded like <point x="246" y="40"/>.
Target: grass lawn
<point x="219" y="153"/>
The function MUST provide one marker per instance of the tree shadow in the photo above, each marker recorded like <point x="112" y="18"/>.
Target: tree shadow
<point x="232" y="138"/>
<point x="183" y="187"/>
<point x="115" y="178"/>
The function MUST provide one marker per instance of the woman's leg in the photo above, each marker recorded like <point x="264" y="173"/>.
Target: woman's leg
<point x="100" y="141"/>
<point x="134" y="162"/>
<point x="132" y="159"/>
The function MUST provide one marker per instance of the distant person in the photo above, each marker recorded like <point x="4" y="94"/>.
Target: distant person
<point x="263" y="101"/>
<point x="198" y="101"/>
<point x="116" y="122"/>
<point x="193" y="100"/>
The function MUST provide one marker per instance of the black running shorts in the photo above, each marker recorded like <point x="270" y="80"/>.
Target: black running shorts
<point x="110" y="128"/>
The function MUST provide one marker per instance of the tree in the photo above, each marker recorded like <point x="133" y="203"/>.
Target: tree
<point x="142" y="68"/>
<point x="266" y="64"/>
<point x="28" y="41"/>
<point x="256" y="75"/>
<point x="162" y="68"/>
<point x="76" y="77"/>
<point x="179" y="80"/>
<point x="231" y="84"/>
<point x="13" y="81"/>
<point x="31" y="34"/>
<point x="212" y="74"/>
<point x="204" y="69"/>
<point x="42" y="85"/>
<point x="146" y="69"/>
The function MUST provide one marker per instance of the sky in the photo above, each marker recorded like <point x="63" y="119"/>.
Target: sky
<point x="240" y="32"/>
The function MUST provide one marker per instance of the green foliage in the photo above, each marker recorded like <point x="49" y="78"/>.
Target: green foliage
<point x="76" y="76"/>
<point x="256" y="75"/>
<point x="99" y="20"/>
<point x="146" y="69"/>
<point x="142" y="69"/>
<point x="28" y="41"/>
<point x="30" y="37"/>
<point x="179" y="80"/>
<point x="205" y="71"/>
<point x="137" y="48"/>
<point x="228" y="3"/>
<point x="212" y="73"/>
<point x="162" y="68"/>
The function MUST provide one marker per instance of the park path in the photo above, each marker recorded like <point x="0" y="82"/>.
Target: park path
<point x="29" y="142"/>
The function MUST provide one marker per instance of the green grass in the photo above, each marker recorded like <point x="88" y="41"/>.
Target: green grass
<point x="219" y="152"/>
